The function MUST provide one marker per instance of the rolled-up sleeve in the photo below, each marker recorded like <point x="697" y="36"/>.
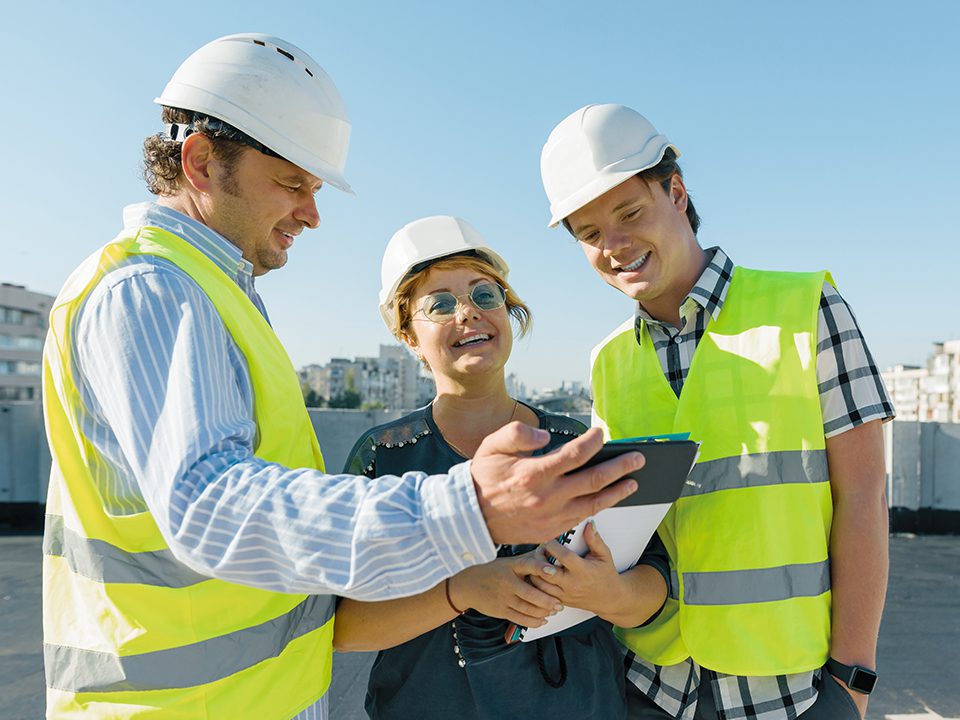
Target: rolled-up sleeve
<point x="170" y="393"/>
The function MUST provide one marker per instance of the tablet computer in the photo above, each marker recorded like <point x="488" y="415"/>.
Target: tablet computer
<point x="662" y="477"/>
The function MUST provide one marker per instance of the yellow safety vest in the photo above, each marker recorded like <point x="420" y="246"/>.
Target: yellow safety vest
<point x="129" y="631"/>
<point x="748" y="540"/>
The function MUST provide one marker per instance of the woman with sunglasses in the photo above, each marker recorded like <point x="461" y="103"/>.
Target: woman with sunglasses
<point x="442" y="653"/>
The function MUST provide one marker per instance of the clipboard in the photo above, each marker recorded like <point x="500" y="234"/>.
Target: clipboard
<point x="627" y="527"/>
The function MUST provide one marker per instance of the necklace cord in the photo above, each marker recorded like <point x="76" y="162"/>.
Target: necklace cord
<point x="461" y="453"/>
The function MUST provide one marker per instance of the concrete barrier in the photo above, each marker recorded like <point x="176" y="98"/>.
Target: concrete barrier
<point x="923" y="476"/>
<point x="24" y="464"/>
<point x="339" y="429"/>
<point x="922" y="464"/>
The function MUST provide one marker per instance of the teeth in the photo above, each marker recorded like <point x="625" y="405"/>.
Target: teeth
<point x="636" y="263"/>
<point x="473" y="339"/>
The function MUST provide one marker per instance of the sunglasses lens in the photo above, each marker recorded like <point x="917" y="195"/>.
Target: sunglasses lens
<point x="440" y="306"/>
<point x="488" y="296"/>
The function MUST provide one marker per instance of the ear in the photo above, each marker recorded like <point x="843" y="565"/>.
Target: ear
<point x="411" y="342"/>
<point x="196" y="156"/>
<point x="678" y="194"/>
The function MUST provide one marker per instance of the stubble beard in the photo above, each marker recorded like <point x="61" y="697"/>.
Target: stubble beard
<point x="267" y="258"/>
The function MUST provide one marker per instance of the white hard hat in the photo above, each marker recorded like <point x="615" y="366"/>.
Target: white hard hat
<point x="593" y="150"/>
<point x="414" y="245"/>
<point x="272" y="91"/>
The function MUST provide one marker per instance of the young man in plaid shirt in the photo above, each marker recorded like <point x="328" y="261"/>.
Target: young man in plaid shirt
<point x="772" y="365"/>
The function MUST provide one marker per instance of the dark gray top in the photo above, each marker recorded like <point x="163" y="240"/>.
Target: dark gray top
<point x="423" y="679"/>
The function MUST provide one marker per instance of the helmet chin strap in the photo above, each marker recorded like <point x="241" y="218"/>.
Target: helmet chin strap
<point x="213" y="127"/>
<point x="178" y="132"/>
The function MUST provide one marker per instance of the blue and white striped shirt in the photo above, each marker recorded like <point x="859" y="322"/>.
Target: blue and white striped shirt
<point x="169" y="406"/>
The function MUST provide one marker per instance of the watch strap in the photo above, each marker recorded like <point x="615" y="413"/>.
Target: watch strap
<point x="856" y="677"/>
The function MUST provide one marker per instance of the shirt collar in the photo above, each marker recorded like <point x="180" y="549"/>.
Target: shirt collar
<point x="709" y="292"/>
<point x="223" y="253"/>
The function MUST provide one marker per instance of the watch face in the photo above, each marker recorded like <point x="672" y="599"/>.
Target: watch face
<point x="863" y="680"/>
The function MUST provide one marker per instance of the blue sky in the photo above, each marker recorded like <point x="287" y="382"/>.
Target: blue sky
<point x="814" y="135"/>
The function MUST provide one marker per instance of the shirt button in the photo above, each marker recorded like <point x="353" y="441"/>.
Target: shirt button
<point x="677" y="339"/>
<point x="468" y="557"/>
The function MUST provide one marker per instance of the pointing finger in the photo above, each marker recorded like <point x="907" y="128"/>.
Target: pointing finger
<point x="596" y="477"/>
<point x="571" y="455"/>
<point x="583" y="507"/>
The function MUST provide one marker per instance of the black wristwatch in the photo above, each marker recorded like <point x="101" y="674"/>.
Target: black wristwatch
<point x="856" y="677"/>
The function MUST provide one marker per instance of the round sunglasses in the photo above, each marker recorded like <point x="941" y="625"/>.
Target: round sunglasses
<point x="441" y="307"/>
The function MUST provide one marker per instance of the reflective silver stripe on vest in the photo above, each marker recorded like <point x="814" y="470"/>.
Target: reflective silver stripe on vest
<point x="100" y="561"/>
<point x="74" y="670"/>
<point x="738" y="587"/>
<point x="758" y="470"/>
<point x="674" y="591"/>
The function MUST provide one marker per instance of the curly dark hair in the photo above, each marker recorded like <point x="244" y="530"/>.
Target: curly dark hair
<point x="162" y="167"/>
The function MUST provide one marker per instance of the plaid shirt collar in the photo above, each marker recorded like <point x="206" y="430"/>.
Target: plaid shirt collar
<point x="708" y="293"/>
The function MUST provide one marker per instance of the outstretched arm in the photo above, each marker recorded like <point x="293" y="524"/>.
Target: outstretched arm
<point x="169" y="397"/>
<point x="172" y="401"/>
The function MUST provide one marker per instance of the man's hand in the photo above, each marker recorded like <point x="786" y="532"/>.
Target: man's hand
<point x="532" y="499"/>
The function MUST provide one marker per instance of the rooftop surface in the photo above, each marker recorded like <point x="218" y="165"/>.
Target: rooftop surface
<point x="918" y="657"/>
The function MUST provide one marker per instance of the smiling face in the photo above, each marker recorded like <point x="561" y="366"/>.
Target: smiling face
<point x="472" y="342"/>
<point x="260" y="204"/>
<point x="638" y="239"/>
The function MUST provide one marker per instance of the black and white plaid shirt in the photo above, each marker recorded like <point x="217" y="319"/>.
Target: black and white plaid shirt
<point x="851" y="393"/>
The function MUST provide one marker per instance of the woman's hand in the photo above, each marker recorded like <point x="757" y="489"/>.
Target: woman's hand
<point x="582" y="582"/>
<point x="500" y="589"/>
<point x="592" y="582"/>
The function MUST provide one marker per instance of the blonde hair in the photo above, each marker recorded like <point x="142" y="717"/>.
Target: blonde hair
<point x="403" y="305"/>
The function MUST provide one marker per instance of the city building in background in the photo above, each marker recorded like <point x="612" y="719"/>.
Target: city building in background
<point x="515" y="387"/>
<point x="393" y="380"/>
<point x="930" y="393"/>
<point x="571" y="397"/>
<point x="23" y="326"/>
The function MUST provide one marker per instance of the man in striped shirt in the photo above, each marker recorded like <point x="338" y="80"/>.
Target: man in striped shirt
<point x="160" y="395"/>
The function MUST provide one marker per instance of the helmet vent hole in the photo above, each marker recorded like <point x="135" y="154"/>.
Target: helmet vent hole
<point x="308" y="71"/>
<point x="261" y="43"/>
<point x="285" y="54"/>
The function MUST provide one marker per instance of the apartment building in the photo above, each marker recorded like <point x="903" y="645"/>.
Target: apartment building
<point x="929" y="393"/>
<point x="23" y="326"/>
<point x="391" y="380"/>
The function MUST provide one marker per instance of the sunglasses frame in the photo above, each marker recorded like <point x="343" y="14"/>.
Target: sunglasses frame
<point x="443" y="319"/>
